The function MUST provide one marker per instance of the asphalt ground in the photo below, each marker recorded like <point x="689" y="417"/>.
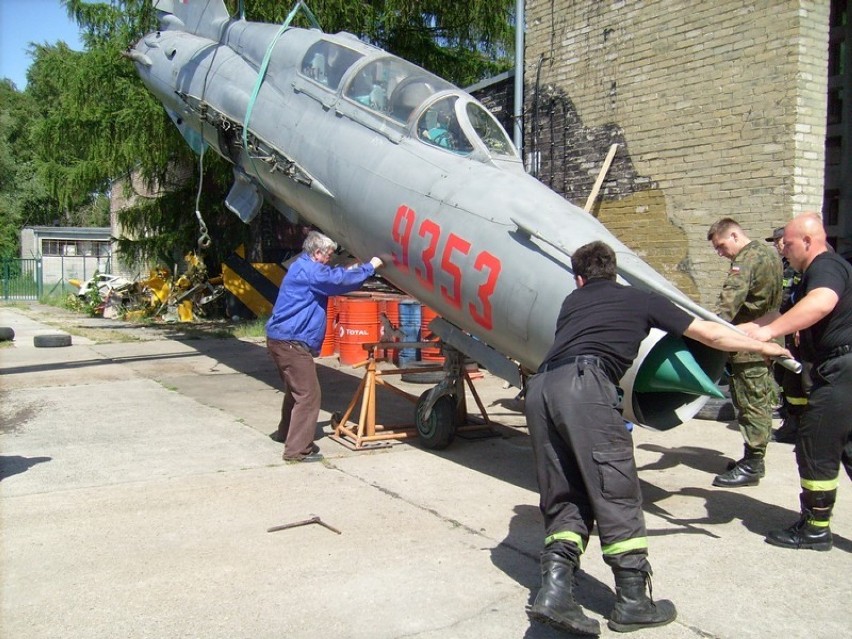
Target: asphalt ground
<point x="139" y="482"/>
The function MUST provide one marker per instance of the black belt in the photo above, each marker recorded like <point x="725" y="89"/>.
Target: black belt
<point x="591" y="360"/>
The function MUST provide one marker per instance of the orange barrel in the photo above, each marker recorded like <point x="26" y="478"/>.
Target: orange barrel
<point x="358" y="323"/>
<point x="409" y="324"/>
<point x="327" y="349"/>
<point x="429" y="354"/>
<point x="389" y="307"/>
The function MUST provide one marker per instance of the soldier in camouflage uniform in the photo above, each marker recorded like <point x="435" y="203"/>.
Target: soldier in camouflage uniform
<point x="752" y="289"/>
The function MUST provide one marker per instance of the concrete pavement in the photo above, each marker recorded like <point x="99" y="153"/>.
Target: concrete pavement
<point x="138" y="483"/>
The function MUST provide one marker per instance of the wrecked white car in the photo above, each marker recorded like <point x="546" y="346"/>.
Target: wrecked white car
<point x="104" y="283"/>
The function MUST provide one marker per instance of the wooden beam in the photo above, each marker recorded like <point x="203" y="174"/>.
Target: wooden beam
<point x="597" y="187"/>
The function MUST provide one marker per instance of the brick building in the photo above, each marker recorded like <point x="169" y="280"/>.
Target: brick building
<point x="719" y="109"/>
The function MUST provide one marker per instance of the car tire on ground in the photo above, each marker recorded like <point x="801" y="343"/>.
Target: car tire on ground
<point x="719" y="409"/>
<point x="52" y="340"/>
<point x="7" y="334"/>
<point x="426" y="377"/>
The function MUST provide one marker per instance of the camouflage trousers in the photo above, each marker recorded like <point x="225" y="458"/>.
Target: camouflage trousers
<point x="754" y="395"/>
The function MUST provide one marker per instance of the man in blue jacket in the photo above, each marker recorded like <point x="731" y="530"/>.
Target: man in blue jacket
<point x="294" y="335"/>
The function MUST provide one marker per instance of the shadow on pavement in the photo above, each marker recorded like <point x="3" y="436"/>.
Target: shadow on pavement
<point x="15" y="464"/>
<point x="514" y="558"/>
<point x="707" y="460"/>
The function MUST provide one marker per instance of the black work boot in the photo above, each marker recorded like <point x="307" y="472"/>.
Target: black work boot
<point x="802" y="535"/>
<point x="554" y="604"/>
<point x="811" y="531"/>
<point x="745" y="472"/>
<point x="634" y="609"/>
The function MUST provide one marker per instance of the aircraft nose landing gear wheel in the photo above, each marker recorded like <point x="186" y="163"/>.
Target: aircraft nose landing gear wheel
<point x="438" y="430"/>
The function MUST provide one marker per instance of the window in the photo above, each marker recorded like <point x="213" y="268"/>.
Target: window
<point x="439" y="126"/>
<point x="489" y="130"/>
<point x="75" y="248"/>
<point x="839" y="14"/>
<point x="836" y="57"/>
<point x="327" y="62"/>
<point x="831" y="207"/>
<point x="394" y="87"/>
<point x="835" y="106"/>
<point x="833" y="150"/>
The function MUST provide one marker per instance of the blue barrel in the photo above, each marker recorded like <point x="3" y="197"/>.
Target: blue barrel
<point x="409" y="324"/>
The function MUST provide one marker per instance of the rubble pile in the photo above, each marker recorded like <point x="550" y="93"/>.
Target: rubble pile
<point x="162" y="295"/>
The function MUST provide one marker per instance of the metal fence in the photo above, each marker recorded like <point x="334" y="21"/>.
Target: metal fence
<point x="35" y="278"/>
<point x="21" y="279"/>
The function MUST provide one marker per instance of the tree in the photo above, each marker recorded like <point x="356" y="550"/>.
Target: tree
<point x="463" y="42"/>
<point x="24" y="201"/>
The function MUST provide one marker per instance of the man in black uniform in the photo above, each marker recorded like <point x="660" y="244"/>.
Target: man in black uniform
<point x="822" y="314"/>
<point x="583" y="452"/>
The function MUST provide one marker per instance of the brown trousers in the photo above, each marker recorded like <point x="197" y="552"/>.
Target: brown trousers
<point x="302" y="396"/>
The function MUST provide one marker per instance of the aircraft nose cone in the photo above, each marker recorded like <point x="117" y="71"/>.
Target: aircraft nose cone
<point x="670" y="367"/>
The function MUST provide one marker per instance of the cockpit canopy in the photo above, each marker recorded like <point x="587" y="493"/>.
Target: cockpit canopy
<point x="327" y="62"/>
<point x="396" y="89"/>
<point x="440" y="125"/>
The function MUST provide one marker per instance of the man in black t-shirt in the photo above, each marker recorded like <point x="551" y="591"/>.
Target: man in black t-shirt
<point x="583" y="452"/>
<point x="822" y="313"/>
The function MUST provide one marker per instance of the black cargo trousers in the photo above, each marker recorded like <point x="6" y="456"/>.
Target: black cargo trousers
<point x="584" y="463"/>
<point x="824" y="436"/>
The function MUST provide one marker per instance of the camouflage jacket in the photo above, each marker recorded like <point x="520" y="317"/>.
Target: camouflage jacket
<point x="752" y="289"/>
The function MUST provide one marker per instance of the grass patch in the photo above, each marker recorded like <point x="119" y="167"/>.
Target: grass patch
<point x="99" y="335"/>
<point x="252" y="328"/>
<point x="12" y="304"/>
<point x="76" y="308"/>
<point x="63" y="299"/>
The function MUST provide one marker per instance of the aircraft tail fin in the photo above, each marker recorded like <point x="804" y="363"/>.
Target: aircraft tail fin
<point x="204" y="18"/>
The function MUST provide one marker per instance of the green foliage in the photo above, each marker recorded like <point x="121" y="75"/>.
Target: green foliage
<point x="462" y="41"/>
<point x="251" y="328"/>
<point x="96" y="123"/>
<point x="91" y="303"/>
<point x="165" y="227"/>
<point x="23" y="199"/>
<point x="84" y="140"/>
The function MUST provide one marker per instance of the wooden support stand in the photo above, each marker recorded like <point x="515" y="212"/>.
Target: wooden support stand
<point x="366" y="433"/>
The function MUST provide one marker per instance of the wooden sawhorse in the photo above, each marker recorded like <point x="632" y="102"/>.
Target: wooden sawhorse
<point x="367" y="434"/>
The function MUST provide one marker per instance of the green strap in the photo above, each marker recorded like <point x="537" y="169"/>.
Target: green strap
<point x="304" y="7"/>
<point x="265" y="64"/>
<point x="627" y="545"/>
<point x="814" y="485"/>
<point x="566" y="535"/>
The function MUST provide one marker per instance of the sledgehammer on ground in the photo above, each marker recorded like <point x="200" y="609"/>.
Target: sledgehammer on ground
<point x="304" y="522"/>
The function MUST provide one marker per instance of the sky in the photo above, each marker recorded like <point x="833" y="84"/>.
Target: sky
<point x="26" y="21"/>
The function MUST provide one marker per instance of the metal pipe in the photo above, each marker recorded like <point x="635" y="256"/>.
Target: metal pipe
<point x="518" y="110"/>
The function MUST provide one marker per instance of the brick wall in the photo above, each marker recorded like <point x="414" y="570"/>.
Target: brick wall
<point x="718" y="108"/>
